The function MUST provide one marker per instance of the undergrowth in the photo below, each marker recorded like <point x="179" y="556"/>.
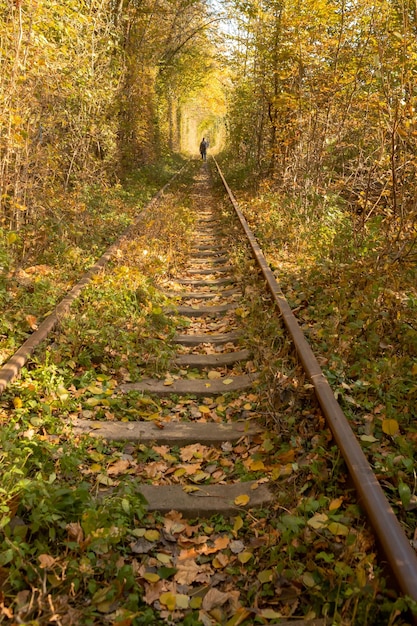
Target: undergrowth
<point x="40" y="262"/>
<point x="355" y="299"/>
<point x="77" y="544"/>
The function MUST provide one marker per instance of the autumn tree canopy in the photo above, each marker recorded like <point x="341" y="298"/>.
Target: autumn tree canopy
<point x="323" y="100"/>
<point x="319" y="96"/>
<point x="92" y="89"/>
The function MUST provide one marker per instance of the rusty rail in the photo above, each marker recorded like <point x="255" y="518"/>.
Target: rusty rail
<point x="11" y="369"/>
<point x="397" y="548"/>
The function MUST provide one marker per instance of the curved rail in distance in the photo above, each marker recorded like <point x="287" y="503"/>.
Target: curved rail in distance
<point x="397" y="548"/>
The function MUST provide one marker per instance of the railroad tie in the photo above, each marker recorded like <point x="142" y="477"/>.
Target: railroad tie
<point x="206" y="293"/>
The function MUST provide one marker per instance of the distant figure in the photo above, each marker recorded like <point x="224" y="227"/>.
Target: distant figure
<point x="203" y="149"/>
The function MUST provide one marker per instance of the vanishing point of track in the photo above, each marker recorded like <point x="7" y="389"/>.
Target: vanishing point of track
<point x="208" y="290"/>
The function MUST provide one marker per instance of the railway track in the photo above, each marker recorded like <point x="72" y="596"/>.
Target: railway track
<point x="214" y="409"/>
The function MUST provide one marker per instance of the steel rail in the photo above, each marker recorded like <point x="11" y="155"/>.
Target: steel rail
<point x="394" y="542"/>
<point x="11" y="369"/>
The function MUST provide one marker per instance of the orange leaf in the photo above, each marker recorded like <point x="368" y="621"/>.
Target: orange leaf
<point x="32" y="321"/>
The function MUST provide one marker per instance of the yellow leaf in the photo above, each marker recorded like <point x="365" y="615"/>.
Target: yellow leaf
<point x="198" y="477"/>
<point x="361" y="576"/>
<point x="335" y="504"/>
<point x="190" y="488"/>
<point x="244" y="557"/>
<point x="242" y="500"/>
<point x="214" y="375"/>
<point x="237" y="525"/>
<point x="152" y="535"/>
<point x="62" y="393"/>
<point x="92" y="401"/>
<point x="390" y="427"/>
<point x="203" y="409"/>
<point x="336" y="528"/>
<point x="17" y="403"/>
<point x="256" y="466"/>
<point x="319" y="520"/>
<point x="239" y="617"/>
<point x="182" y="601"/>
<point x="168" y="381"/>
<point x="276" y="473"/>
<point x="95" y="468"/>
<point x="308" y="579"/>
<point x="414" y="369"/>
<point x="265" y="576"/>
<point x="270" y="614"/>
<point x="103" y="479"/>
<point x="196" y="602"/>
<point x="163" y="558"/>
<point x="227" y="381"/>
<point x="169" y="600"/>
<point x="95" y="390"/>
<point x="151" y="577"/>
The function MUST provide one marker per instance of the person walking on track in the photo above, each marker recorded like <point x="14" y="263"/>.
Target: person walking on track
<point x="203" y="149"/>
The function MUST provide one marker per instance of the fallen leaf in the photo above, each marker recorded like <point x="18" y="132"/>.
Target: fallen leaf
<point x="242" y="500"/>
<point x="151" y="577"/>
<point x="237" y="546"/>
<point x="336" y="528"/>
<point x="270" y="614"/>
<point x="182" y="601"/>
<point x="169" y="600"/>
<point x="187" y="572"/>
<point x="287" y="457"/>
<point x="256" y="465"/>
<point x="318" y="521"/>
<point x="390" y="427"/>
<point x="244" y="557"/>
<point x="152" y="535"/>
<point x="265" y="576"/>
<point x="214" y="598"/>
<point x="46" y="561"/>
<point x="220" y="561"/>
<point x="119" y="467"/>
<point x="75" y="532"/>
<point x="163" y="558"/>
<point x="214" y="375"/>
<point x="335" y="504"/>
<point x="95" y="390"/>
<point x="308" y="579"/>
<point x="238" y="523"/>
<point x="32" y="322"/>
<point x="196" y="602"/>
<point x="190" y="488"/>
<point x="17" y="403"/>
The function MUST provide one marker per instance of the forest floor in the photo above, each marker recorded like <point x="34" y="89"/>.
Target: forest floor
<point x="78" y="545"/>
